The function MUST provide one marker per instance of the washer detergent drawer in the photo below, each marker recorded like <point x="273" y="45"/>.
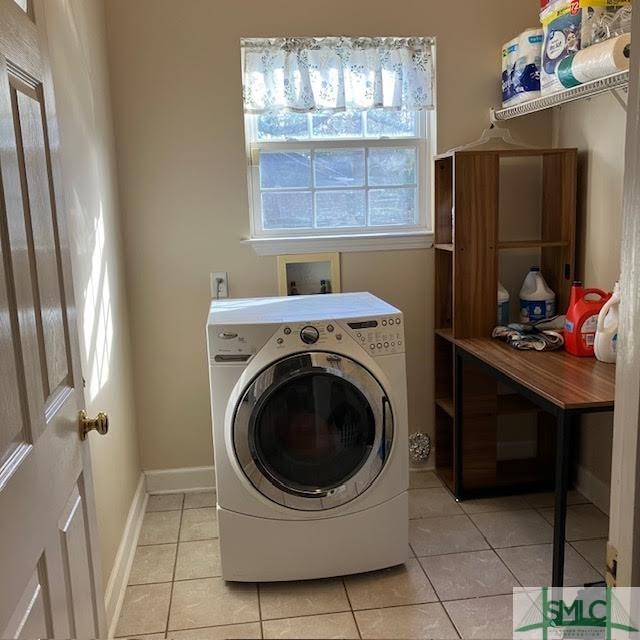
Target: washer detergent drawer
<point x="260" y="549"/>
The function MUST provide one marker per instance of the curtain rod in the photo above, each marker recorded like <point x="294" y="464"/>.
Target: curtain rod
<point x="263" y="41"/>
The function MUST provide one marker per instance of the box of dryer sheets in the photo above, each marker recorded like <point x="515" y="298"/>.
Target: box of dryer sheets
<point x="572" y="25"/>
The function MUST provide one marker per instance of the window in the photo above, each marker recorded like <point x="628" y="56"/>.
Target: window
<point x="320" y="171"/>
<point x="349" y="172"/>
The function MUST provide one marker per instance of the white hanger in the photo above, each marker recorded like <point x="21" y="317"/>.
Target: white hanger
<point x="489" y="135"/>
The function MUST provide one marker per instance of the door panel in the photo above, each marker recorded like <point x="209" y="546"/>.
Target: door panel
<point x="12" y="424"/>
<point x="49" y="583"/>
<point x="77" y="566"/>
<point x="37" y="202"/>
<point x="32" y="617"/>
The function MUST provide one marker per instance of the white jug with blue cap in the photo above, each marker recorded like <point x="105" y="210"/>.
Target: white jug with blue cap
<point x="537" y="300"/>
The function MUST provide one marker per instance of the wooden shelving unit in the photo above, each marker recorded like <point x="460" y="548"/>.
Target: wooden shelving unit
<point x="483" y="234"/>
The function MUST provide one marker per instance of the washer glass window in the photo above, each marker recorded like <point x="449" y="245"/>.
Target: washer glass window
<point x="313" y="432"/>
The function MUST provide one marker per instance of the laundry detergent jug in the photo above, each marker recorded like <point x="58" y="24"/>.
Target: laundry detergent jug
<point x="605" y="345"/>
<point x="537" y="301"/>
<point x="582" y="319"/>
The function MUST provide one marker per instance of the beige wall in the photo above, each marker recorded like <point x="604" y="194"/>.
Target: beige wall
<point x="176" y="87"/>
<point x="78" y="56"/>
<point x="597" y="128"/>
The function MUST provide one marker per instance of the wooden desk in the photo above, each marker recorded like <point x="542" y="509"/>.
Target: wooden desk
<point x="559" y="383"/>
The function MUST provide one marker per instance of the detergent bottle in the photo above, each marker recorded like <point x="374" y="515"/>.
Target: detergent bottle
<point x="503" y="305"/>
<point x="582" y="319"/>
<point x="606" y="342"/>
<point x="537" y="301"/>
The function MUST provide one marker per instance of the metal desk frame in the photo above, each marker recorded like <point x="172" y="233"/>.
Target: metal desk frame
<point x="565" y="422"/>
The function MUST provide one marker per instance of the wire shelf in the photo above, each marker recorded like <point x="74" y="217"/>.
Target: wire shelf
<point x="616" y="81"/>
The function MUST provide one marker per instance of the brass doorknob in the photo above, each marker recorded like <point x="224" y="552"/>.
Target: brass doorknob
<point x="100" y="423"/>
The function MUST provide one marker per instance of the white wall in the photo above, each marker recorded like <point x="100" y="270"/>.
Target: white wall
<point x="597" y="128"/>
<point x="176" y="87"/>
<point x="76" y="33"/>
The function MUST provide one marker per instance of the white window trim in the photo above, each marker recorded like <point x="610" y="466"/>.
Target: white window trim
<point x="393" y="237"/>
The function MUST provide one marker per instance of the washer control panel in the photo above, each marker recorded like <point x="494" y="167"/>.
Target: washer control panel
<point x="377" y="336"/>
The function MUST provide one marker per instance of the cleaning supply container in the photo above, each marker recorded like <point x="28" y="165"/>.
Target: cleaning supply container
<point x="503" y="305"/>
<point x="582" y="319"/>
<point x="605" y="346"/>
<point x="537" y="301"/>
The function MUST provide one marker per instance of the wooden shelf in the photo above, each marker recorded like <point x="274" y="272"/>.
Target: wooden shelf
<point x="532" y="244"/>
<point x="445" y="334"/>
<point x="444" y="247"/>
<point x="506" y="404"/>
<point x="446" y="404"/>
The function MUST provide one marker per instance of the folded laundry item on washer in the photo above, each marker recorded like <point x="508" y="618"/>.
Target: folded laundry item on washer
<point x="539" y="337"/>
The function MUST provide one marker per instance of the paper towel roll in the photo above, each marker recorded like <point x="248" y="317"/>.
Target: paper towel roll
<point x="595" y="62"/>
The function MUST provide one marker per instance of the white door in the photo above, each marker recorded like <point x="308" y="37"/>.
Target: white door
<point x="49" y="585"/>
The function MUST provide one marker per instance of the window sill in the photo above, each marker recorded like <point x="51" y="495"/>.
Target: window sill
<point x="342" y="244"/>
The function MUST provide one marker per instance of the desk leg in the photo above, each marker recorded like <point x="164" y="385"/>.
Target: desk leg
<point x="457" y="423"/>
<point x="563" y="445"/>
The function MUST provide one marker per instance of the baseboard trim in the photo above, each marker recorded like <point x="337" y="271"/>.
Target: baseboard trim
<point x="174" y="480"/>
<point x="119" y="577"/>
<point x="593" y="488"/>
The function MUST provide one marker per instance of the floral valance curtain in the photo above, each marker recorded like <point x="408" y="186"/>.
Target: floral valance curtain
<point x="337" y="74"/>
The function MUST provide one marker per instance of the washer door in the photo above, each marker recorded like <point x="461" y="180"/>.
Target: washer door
<point x="313" y="431"/>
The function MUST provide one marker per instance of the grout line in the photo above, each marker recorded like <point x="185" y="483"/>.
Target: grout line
<point x="426" y="575"/>
<point x="324" y="613"/>
<point x="260" y="611"/>
<point x="493" y="595"/>
<point x="453" y="624"/>
<point x="346" y="591"/>
<point x="199" y="539"/>
<point x="173" y="577"/>
<point x="586" y="559"/>
<point x="494" y="549"/>
<point x="210" y="626"/>
<point x="144" y="584"/>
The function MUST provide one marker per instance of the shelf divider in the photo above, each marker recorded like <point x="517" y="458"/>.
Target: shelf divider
<point x="531" y="244"/>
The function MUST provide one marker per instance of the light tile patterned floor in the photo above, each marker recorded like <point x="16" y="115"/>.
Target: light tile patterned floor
<point x="465" y="559"/>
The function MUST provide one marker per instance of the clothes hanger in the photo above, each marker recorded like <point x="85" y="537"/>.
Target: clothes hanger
<point x="492" y="134"/>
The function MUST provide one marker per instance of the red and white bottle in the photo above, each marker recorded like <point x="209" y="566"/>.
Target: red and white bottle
<point x="582" y="319"/>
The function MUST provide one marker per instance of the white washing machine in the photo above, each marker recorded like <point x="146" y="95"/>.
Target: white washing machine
<point x="310" y="435"/>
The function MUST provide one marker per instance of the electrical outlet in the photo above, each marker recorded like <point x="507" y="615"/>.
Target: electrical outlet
<point x="219" y="285"/>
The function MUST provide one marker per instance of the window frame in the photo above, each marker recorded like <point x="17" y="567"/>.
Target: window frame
<point x="414" y="235"/>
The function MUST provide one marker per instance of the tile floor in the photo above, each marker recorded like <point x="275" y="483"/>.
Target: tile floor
<point x="465" y="560"/>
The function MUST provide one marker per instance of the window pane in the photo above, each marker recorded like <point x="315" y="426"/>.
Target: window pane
<point x="346" y="124"/>
<point x="340" y="209"/>
<point x="392" y="206"/>
<point x="281" y="125"/>
<point x="394" y="124"/>
<point x="287" y="209"/>
<point x="285" y="169"/>
<point x="392" y="166"/>
<point x="343" y="168"/>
